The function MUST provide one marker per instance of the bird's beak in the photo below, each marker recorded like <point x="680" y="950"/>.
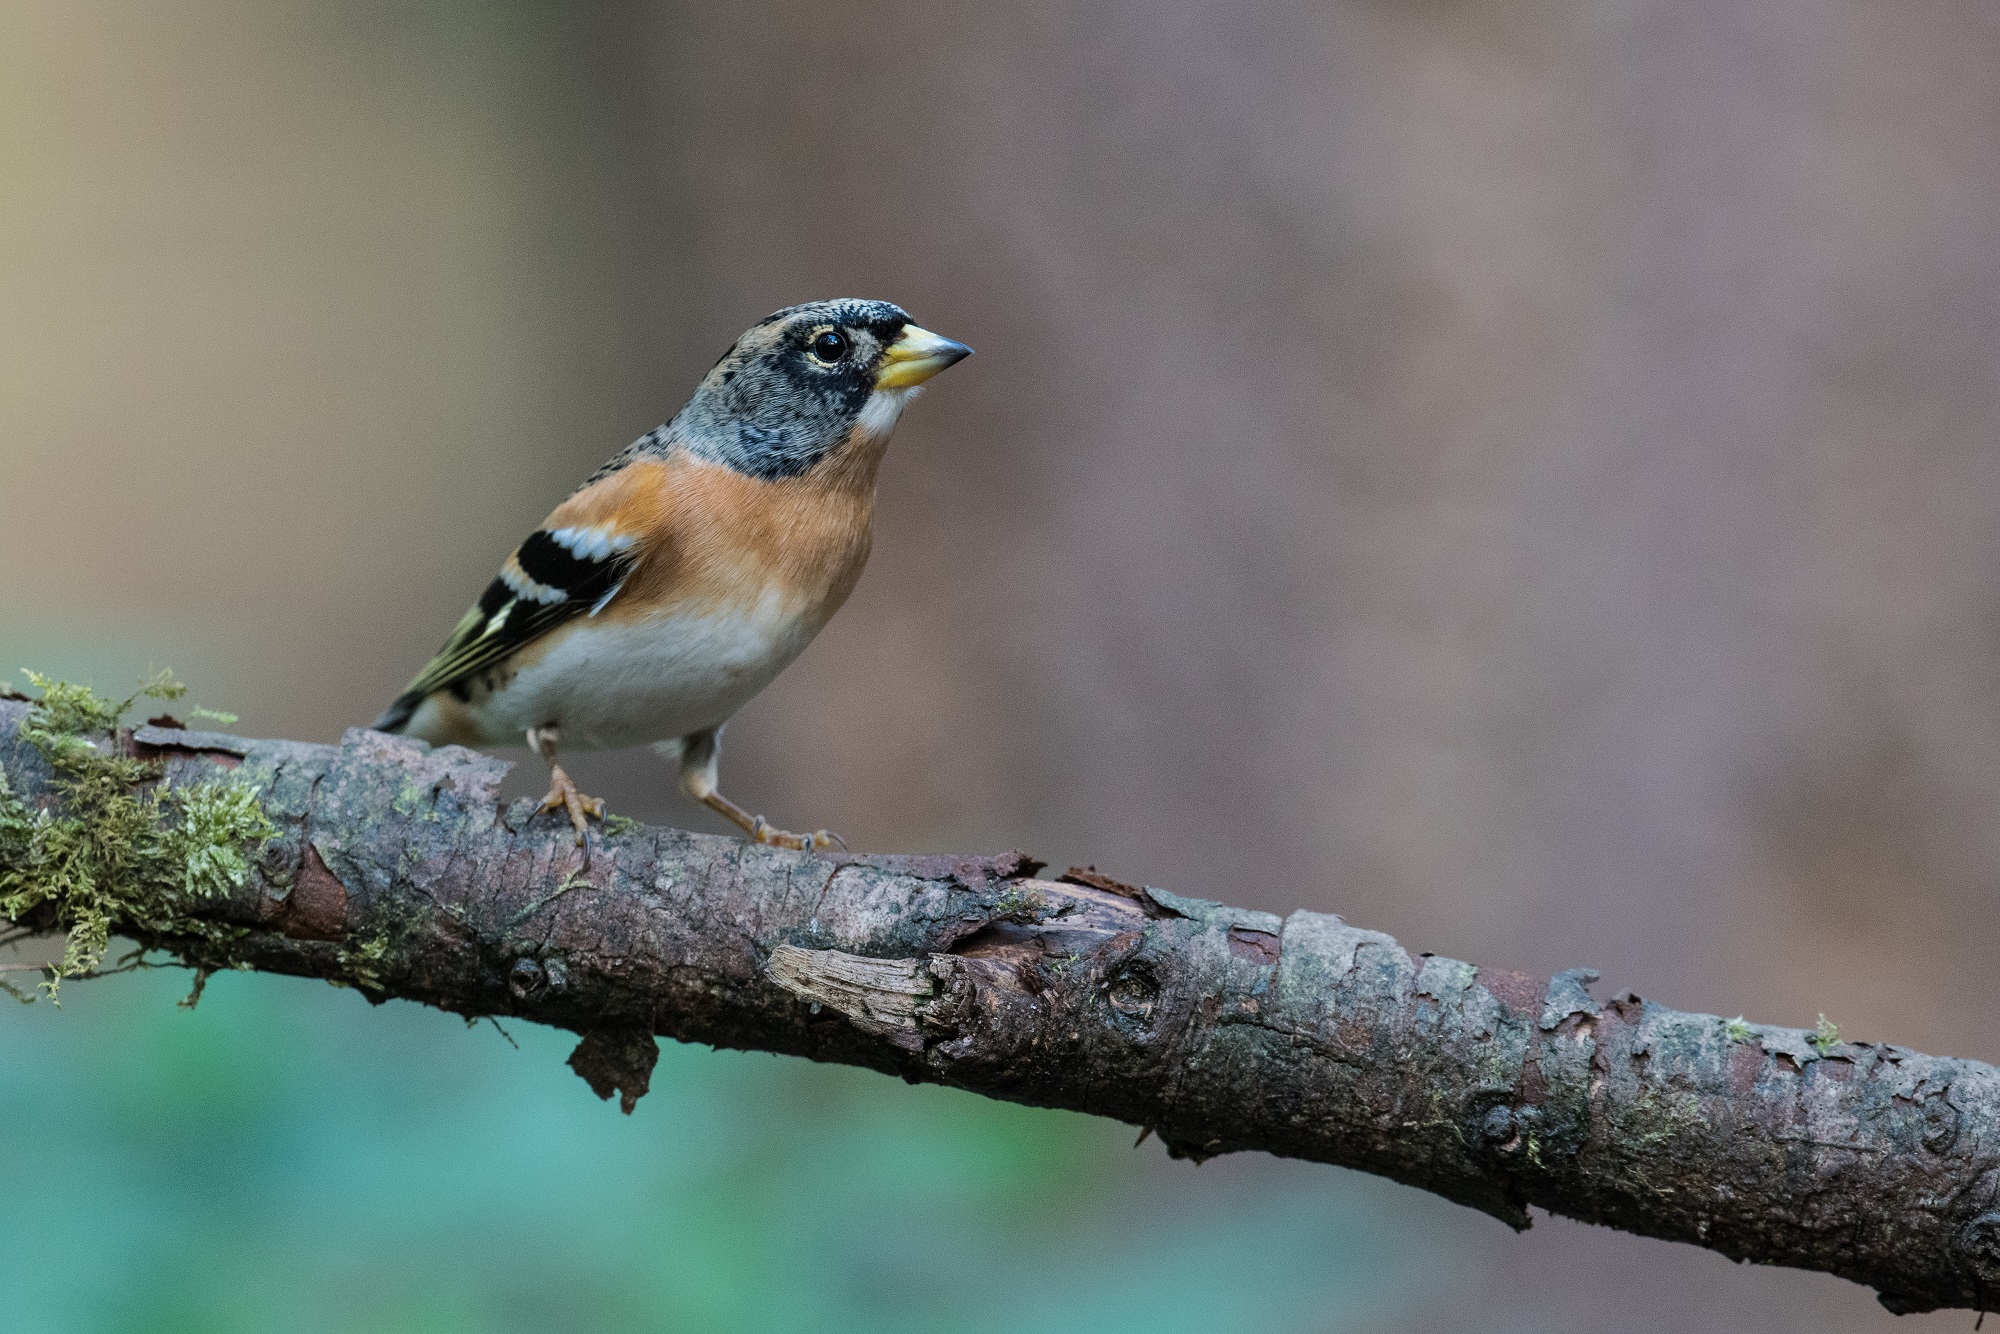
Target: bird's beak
<point x="915" y="357"/>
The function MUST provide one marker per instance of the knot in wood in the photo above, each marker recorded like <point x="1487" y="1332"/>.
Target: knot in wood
<point x="524" y="979"/>
<point x="1133" y="992"/>
<point x="1940" y="1124"/>
<point x="1981" y="1240"/>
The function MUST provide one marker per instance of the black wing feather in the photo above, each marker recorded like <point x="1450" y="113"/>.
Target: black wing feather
<point x="503" y="621"/>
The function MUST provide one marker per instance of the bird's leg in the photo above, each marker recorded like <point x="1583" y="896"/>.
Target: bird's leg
<point x="563" y="794"/>
<point x="700" y="754"/>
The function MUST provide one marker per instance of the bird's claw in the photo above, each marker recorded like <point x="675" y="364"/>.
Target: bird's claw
<point x="563" y="795"/>
<point x="761" y="831"/>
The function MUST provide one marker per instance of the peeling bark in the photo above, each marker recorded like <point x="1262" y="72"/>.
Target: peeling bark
<point x="399" y="871"/>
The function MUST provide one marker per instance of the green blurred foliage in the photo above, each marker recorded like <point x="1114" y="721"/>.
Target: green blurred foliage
<point x="286" y="1157"/>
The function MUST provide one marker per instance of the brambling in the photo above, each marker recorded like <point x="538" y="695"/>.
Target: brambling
<point x="688" y="571"/>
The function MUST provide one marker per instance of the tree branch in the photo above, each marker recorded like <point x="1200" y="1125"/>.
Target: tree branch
<point x="397" y="870"/>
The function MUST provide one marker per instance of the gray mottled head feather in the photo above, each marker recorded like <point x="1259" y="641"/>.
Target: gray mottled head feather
<point x="769" y="407"/>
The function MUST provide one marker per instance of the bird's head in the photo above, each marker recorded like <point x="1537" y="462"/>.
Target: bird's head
<point x="805" y="382"/>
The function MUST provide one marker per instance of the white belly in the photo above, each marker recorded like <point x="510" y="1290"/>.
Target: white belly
<point x="606" y="684"/>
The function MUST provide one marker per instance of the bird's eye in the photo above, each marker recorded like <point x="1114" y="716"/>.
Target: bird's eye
<point x="830" y="346"/>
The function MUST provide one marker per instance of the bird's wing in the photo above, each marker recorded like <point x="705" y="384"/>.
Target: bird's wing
<point x="570" y="567"/>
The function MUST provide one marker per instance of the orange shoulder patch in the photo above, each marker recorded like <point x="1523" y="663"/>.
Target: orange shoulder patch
<point x="631" y="504"/>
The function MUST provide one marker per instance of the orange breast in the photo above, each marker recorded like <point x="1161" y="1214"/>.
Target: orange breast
<point x="710" y="537"/>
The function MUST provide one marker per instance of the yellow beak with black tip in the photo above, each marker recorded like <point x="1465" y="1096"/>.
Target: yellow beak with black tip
<point x="915" y="356"/>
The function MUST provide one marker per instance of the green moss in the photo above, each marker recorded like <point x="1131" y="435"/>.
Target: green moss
<point x="1736" y="1030"/>
<point x="360" y="963"/>
<point x="1019" y="902"/>
<point x="1825" y="1036"/>
<point x="120" y="848"/>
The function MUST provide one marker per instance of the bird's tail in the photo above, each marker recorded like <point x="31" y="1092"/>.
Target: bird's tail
<point x="397" y="716"/>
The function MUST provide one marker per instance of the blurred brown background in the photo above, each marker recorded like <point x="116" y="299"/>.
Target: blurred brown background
<point x="1520" y="476"/>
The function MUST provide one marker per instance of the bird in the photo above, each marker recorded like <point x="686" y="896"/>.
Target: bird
<point x="683" y="575"/>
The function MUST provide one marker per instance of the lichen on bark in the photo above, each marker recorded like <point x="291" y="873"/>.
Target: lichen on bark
<point x="114" y="845"/>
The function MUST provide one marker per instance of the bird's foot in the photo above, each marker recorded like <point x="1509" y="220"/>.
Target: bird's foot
<point x="763" y="832"/>
<point x="563" y="795"/>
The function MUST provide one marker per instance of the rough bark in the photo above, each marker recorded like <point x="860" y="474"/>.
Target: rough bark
<point x="398" y="870"/>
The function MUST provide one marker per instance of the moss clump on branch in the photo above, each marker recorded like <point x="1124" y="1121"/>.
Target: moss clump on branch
<point x="120" y="848"/>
